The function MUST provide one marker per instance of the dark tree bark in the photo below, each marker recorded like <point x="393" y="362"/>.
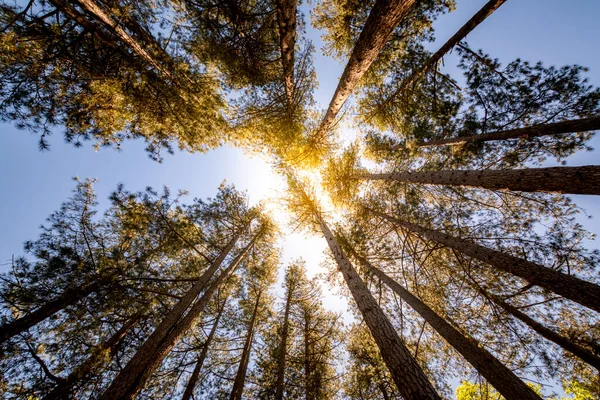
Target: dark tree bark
<point x="573" y="348"/>
<point x="408" y="376"/>
<point x="133" y="377"/>
<point x="556" y="128"/>
<point x="496" y="373"/>
<point x="578" y="290"/>
<point x="383" y="19"/>
<point x="308" y="384"/>
<point x="189" y="389"/>
<point x="279" y="384"/>
<point x="68" y="298"/>
<point x="65" y="387"/>
<point x="240" y="376"/>
<point x="286" y="19"/>
<point x="568" y="180"/>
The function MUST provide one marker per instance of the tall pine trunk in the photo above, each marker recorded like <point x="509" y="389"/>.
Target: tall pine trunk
<point x="573" y="348"/>
<point x="286" y="19"/>
<point x="189" y="389"/>
<point x="382" y="20"/>
<point x="149" y="356"/>
<point x="408" y="376"/>
<point x="99" y="355"/>
<point x="578" y="290"/>
<point x="240" y="376"/>
<point x="530" y="132"/>
<point x="572" y="180"/>
<point x="279" y="384"/>
<point x="308" y="384"/>
<point x="496" y="373"/>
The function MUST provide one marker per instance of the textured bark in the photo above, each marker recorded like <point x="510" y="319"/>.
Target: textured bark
<point x="568" y="180"/>
<point x="68" y="298"/>
<point x="240" y="376"/>
<point x="408" y="376"/>
<point x="286" y="19"/>
<point x="467" y="28"/>
<point x="283" y="345"/>
<point x="189" y="389"/>
<point x="132" y="378"/>
<point x="65" y="387"/>
<point x="573" y="348"/>
<point x="308" y="386"/>
<point x="570" y="287"/>
<point x="557" y="128"/>
<point x="496" y="373"/>
<point x="382" y="20"/>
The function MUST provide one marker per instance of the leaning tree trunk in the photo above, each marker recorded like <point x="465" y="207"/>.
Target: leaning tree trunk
<point x="99" y="355"/>
<point x="240" y="376"/>
<point x="570" y="180"/>
<point x="578" y="290"/>
<point x="530" y="132"/>
<point x="148" y="357"/>
<point x="467" y="28"/>
<point x="286" y="19"/>
<point x="573" y="348"/>
<point x="68" y="298"/>
<point x="410" y="379"/>
<point x="189" y="389"/>
<point x="383" y="19"/>
<point x="496" y="373"/>
<point x="283" y="345"/>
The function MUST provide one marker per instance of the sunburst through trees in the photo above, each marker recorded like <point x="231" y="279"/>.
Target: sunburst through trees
<point x="451" y="236"/>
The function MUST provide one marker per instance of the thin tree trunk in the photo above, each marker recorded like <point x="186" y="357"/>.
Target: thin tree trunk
<point x="309" y="394"/>
<point x="286" y="19"/>
<point x="573" y="348"/>
<point x="383" y="19"/>
<point x="530" y="132"/>
<point x="580" y="291"/>
<point x="568" y="180"/>
<point x="189" y="389"/>
<point x="68" y="298"/>
<point x="240" y="376"/>
<point x="496" y="373"/>
<point x="283" y="345"/>
<point x="147" y="358"/>
<point x="467" y="28"/>
<point x="99" y="354"/>
<point x="410" y="379"/>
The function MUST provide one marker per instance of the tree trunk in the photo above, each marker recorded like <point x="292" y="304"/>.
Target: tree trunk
<point x="382" y="20"/>
<point x="68" y="298"/>
<point x="573" y="348"/>
<point x="283" y="346"/>
<point x="309" y="389"/>
<point x="148" y="357"/>
<point x="580" y="291"/>
<point x="286" y="19"/>
<point x="568" y="180"/>
<point x="410" y="379"/>
<point x="189" y="389"/>
<point x="556" y="128"/>
<point x="496" y="373"/>
<point x="467" y="28"/>
<point x="64" y="389"/>
<point x="240" y="376"/>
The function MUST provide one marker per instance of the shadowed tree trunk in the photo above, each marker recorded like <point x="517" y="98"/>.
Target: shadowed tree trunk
<point x="147" y="358"/>
<point x="496" y="373"/>
<point x="569" y="180"/>
<point x="283" y="345"/>
<point x="580" y="291"/>
<point x="382" y="20"/>
<point x="309" y="389"/>
<point x="471" y="24"/>
<point x="557" y="128"/>
<point x="408" y="376"/>
<point x="573" y="348"/>
<point x="99" y="355"/>
<point x="240" y="376"/>
<point x="286" y="19"/>
<point x="189" y="389"/>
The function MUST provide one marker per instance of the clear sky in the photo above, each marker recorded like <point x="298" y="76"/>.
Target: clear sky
<point x="33" y="183"/>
